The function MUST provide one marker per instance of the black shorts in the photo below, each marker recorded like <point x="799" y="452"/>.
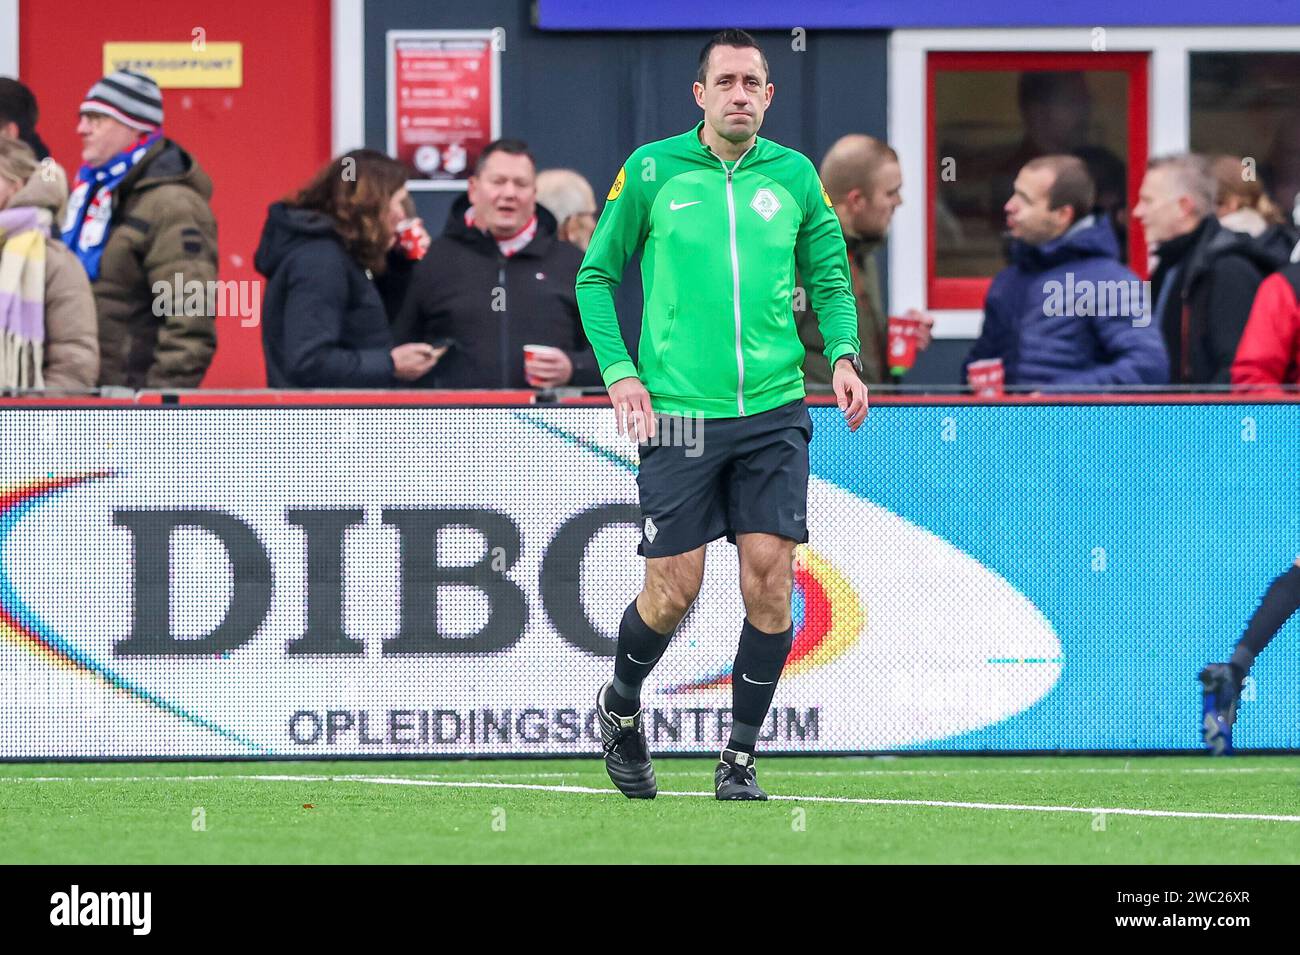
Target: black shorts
<point x="703" y="478"/>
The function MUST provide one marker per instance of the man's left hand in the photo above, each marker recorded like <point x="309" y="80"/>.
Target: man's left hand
<point x="850" y="393"/>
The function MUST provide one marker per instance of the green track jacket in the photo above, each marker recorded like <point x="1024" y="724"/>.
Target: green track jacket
<point x="719" y="248"/>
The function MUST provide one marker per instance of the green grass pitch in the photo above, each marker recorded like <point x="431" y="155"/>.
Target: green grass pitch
<point x="993" y="809"/>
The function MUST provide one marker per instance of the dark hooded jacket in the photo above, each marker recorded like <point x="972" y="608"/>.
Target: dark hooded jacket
<point x="323" y="321"/>
<point x="873" y="326"/>
<point x="1067" y="313"/>
<point x="1215" y="273"/>
<point x="162" y="226"/>
<point x="491" y="305"/>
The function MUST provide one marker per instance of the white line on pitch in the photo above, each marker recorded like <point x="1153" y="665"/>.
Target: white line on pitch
<point x="592" y="790"/>
<point x="1227" y="770"/>
<point x="770" y="771"/>
<point x="849" y="800"/>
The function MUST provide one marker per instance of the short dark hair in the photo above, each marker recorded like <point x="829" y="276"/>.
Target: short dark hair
<point x="18" y="106"/>
<point x="737" y="38"/>
<point x="1073" y="185"/>
<point x="1048" y="86"/>
<point x="512" y="147"/>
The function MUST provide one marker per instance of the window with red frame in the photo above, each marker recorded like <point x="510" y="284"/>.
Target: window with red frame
<point x="987" y="114"/>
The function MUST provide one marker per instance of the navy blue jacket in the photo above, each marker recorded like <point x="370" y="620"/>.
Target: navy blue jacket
<point x="1067" y="313"/>
<point x="323" y="320"/>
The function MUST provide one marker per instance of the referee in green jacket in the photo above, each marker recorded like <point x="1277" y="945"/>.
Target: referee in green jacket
<point x="722" y="219"/>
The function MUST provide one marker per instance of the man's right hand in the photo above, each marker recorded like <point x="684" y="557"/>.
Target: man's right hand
<point x="413" y="360"/>
<point x="632" y="412"/>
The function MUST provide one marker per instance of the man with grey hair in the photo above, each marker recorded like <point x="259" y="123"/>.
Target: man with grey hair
<point x="1203" y="276"/>
<point x="568" y="197"/>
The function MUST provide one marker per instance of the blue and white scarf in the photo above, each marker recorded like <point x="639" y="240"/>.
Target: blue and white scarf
<point x="89" y="218"/>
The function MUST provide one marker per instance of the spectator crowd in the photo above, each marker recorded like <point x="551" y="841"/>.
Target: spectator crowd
<point x="358" y="294"/>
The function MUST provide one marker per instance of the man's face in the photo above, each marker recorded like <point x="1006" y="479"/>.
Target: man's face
<point x="873" y="211"/>
<point x="504" y="194"/>
<point x="1164" y="213"/>
<point x="736" y="92"/>
<point x="103" y="137"/>
<point x="1058" y="124"/>
<point x="1029" y="217"/>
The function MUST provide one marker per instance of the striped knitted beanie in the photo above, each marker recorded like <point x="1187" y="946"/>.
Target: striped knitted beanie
<point x="129" y="97"/>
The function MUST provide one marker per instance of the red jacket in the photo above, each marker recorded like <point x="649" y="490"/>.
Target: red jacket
<point x="1269" y="351"/>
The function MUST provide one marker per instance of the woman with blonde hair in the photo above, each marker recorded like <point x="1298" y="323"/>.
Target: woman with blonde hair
<point x="1242" y="205"/>
<point x="323" y="323"/>
<point x="48" y="331"/>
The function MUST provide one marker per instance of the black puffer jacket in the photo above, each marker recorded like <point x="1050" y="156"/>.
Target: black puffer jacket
<point x="454" y="294"/>
<point x="1217" y="272"/>
<point x="323" y="322"/>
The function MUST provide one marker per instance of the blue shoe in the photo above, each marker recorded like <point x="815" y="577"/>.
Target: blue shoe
<point x="1220" y="694"/>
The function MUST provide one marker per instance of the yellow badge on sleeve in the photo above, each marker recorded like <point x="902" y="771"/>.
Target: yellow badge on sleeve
<point x="615" y="189"/>
<point x="827" y="199"/>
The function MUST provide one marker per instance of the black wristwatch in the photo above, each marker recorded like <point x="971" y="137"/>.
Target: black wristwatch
<point x="855" y="359"/>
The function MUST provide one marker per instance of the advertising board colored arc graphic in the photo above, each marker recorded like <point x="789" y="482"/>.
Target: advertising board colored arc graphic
<point x="828" y="618"/>
<point x="21" y="626"/>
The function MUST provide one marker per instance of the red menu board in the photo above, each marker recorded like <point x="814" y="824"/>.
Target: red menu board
<point x="444" y="103"/>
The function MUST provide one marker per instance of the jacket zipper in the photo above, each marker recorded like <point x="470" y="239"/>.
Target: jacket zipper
<point x="505" y="327"/>
<point x="735" y="279"/>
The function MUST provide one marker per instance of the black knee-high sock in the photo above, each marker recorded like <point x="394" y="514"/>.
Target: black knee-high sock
<point x="639" y="649"/>
<point x="1280" y="601"/>
<point x="753" y="682"/>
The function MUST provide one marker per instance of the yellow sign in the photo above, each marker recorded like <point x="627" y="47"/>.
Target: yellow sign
<point x="615" y="189"/>
<point x="180" y="66"/>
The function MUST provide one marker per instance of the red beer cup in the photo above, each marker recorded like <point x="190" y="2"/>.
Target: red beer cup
<point x="986" y="377"/>
<point x="412" y="238"/>
<point x="903" y="332"/>
<point x="532" y="352"/>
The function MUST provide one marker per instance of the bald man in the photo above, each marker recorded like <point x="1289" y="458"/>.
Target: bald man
<point x="568" y="196"/>
<point x="861" y="175"/>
